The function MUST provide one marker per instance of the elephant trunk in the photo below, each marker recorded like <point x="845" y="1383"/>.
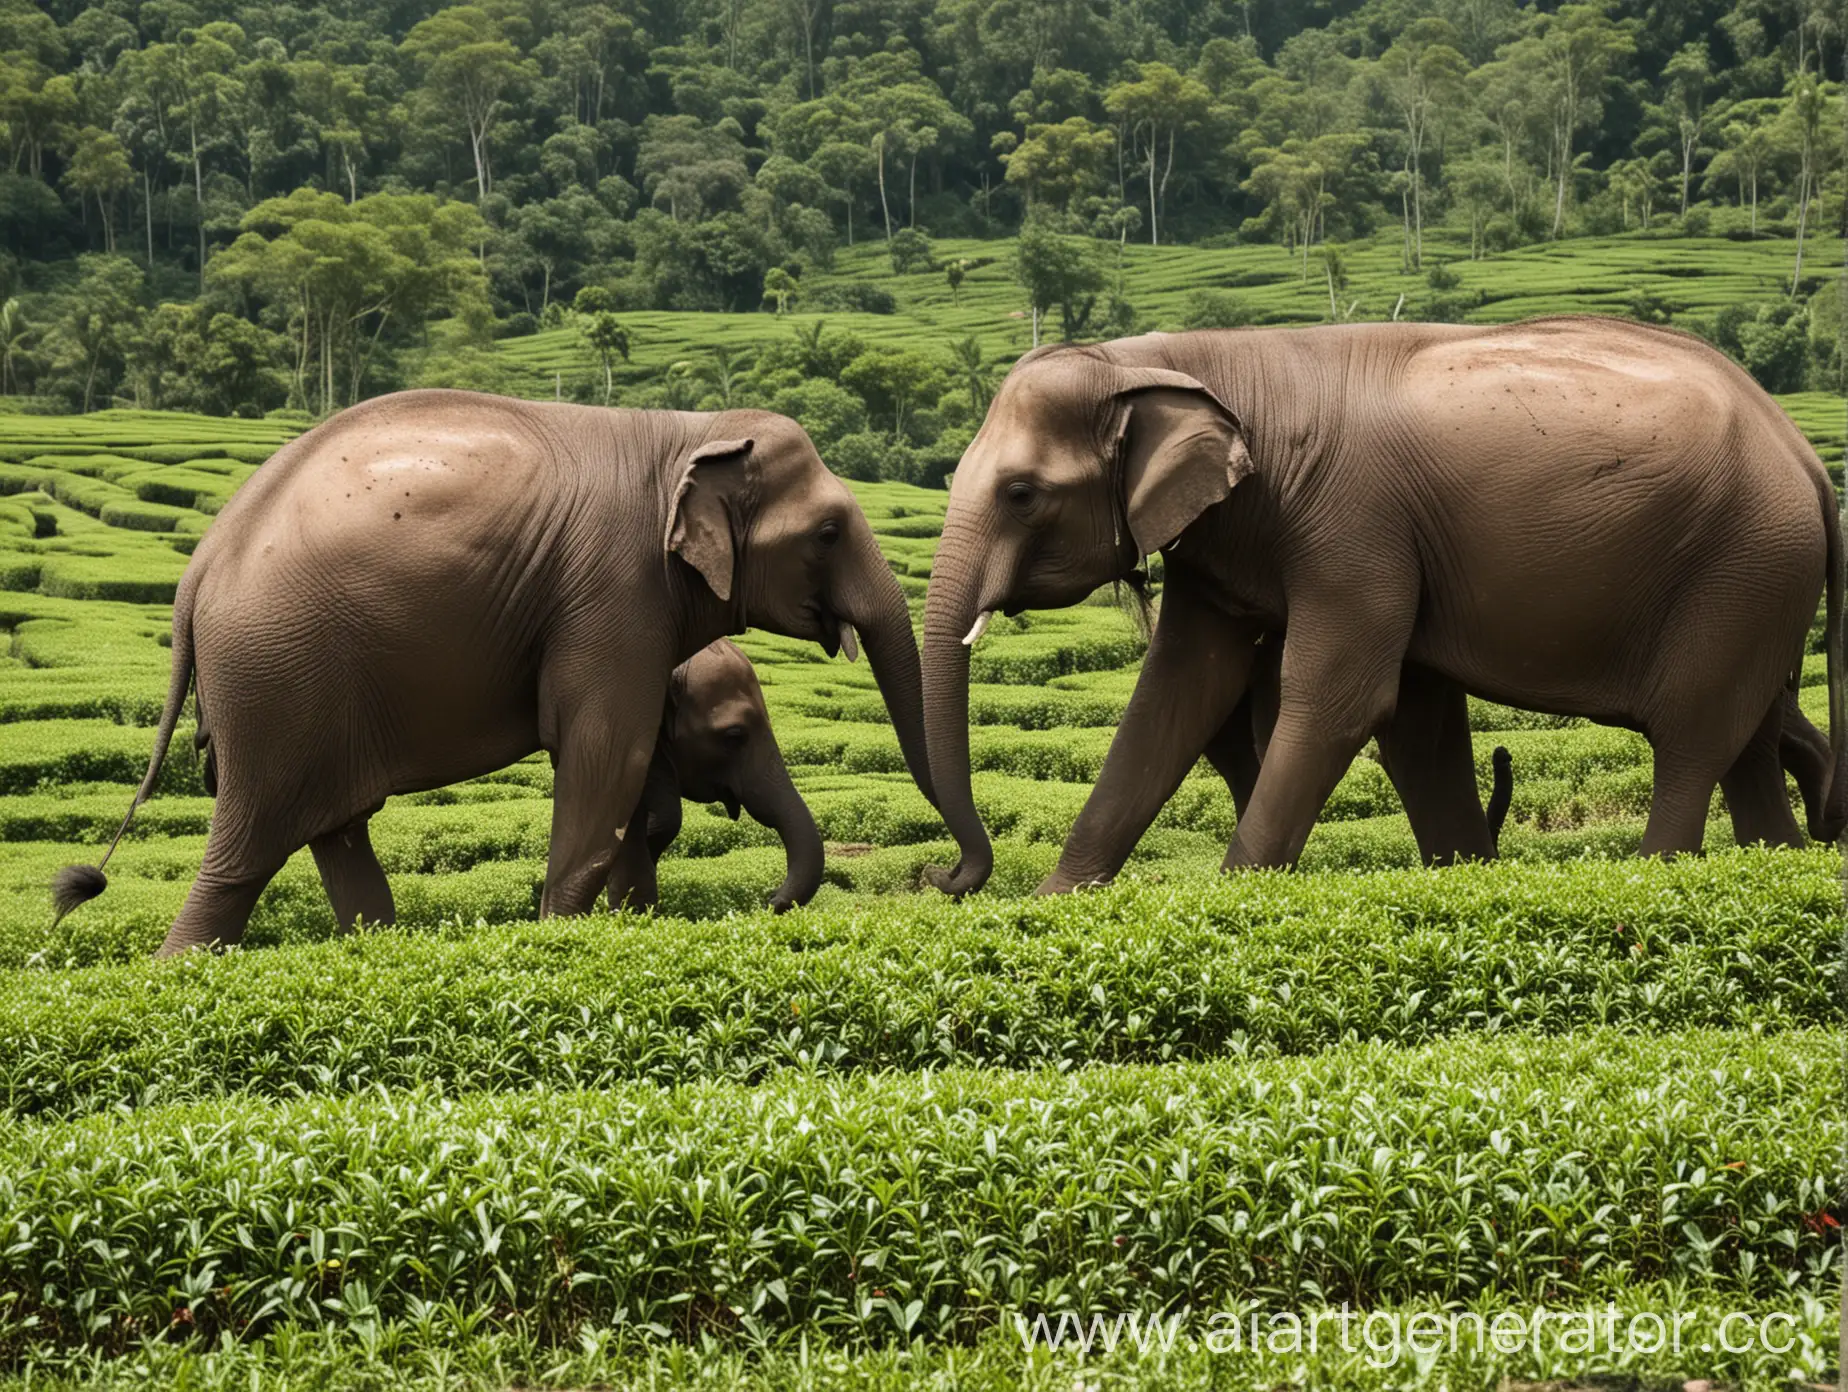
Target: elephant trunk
<point x="951" y="612"/>
<point x="875" y="606"/>
<point x="772" y="799"/>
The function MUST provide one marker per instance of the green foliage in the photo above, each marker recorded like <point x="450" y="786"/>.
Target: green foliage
<point x="841" y="1204"/>
<point x="878" y="1127"/>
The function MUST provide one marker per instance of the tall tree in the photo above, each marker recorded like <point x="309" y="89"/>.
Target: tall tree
<point x="1809" y="129"/>
<point x="469" y="70"/>
<point x="1422" y="75"/>
<point x="97" y="169"/>
<point x="1747" y="148"/>
<point x="1158" y="102"/>
<point x="1686" y="81"/>
<point x="1572" y="52"/>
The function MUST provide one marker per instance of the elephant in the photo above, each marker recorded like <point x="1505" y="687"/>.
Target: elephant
<point x="716" y="745"/>
<point x="434" y="584"/>
<point x="1578" y="515"/>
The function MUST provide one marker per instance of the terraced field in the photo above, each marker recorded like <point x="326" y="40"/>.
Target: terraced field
<point x="851" y="1145"/>
<point x="1688" y="277"/>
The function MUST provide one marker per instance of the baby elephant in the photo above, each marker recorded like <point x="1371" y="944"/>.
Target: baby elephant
<point x="716" y="745"/>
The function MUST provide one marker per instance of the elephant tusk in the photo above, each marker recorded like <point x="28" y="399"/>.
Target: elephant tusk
<point x="850" y="643"/>
<point x="977" y="629"/>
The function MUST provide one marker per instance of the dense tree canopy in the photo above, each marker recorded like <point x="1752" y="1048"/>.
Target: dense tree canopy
<point x="338" y="175"/>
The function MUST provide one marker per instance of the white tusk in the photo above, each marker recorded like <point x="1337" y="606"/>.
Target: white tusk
<point x="980" y="627"/>
<point x="850" y="644"/>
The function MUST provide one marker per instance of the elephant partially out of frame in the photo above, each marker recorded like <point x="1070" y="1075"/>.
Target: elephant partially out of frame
<point x="432" y="585"/>
<point x="716" y="745"/>
<point x="1576" y="515"/>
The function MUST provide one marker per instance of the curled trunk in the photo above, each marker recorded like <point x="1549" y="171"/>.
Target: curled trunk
<point x="774" y="801"/>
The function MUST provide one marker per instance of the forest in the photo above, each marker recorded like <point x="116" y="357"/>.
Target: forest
<point x="245" y="208"/>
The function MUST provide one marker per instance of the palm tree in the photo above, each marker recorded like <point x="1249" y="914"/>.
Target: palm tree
<point x="966" y="353"/>
<point x="14" y="331"/>
<point x="808" y="340"/>
<point x="723" y="374"/>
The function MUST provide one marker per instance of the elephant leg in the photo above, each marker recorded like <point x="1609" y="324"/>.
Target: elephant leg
<point x="1426" y="751"/>
<point x="1679" y="804"/>
<point x="1233" y="750"/>
<point x="655" y="823"/>
<point x="632" y="883"/>
<point x="1340" y="680"/>
<point x="604" y="743"/>
<point x="1803" y="750"/>
<point x="1237" y="749"/>
<point x="1754" y="788"/>
<point x="1191" y="680"/>
<point x="354" y="879"/>
<point x="236" y="870"/>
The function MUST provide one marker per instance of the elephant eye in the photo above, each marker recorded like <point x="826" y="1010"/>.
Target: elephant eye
<point x="1019" y="493"/>
<point x="829" y="534"/>
<point x="734" y="735"/>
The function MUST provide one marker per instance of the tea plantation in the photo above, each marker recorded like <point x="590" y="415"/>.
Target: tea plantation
<point x="852" y="1144"/>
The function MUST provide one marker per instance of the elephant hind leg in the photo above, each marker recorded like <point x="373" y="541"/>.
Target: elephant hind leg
<point x="1426" y="751"/>
<point x="1804" y="751"/>
<point x="1754" y="788"/>
<point x="354" y="879"/>
<point x="231" y="879"/>
<point x="1678" y="808"/>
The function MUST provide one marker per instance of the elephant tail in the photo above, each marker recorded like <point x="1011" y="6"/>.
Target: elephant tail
<point x="1829" y="821"/>
<point x="78" y="884"/>
<point x="1501" y="792"/>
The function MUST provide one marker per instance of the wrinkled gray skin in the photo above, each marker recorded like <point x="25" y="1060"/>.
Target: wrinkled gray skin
<point x="1425" y="749"/>
<point x="1576" y="515"/>
<point x="435" y="584"/>
<point x="716" y="745"/>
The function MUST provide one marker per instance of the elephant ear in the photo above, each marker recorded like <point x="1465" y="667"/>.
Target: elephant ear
<point x="699" y="520"/>
<point x="1181" y="449"/>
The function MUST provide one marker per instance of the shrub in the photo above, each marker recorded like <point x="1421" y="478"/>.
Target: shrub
<point x="855" y="295"/>
<point x="1216" y="309"/>
<point x="910" y="251"/>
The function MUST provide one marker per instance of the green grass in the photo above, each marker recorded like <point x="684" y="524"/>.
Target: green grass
<point x="847" y="1146"/>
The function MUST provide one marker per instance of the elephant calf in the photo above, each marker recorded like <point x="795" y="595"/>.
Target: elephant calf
<point x="432" y="585"/>
<point x="716" y="745"/>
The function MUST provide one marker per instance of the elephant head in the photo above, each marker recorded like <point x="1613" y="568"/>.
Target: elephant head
<point x="771" y="539"/>
<point x="1082" y="467"/>
<point x="719" y="742"/>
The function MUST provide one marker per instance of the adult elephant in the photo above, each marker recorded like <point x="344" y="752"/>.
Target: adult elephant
<point x="434" y="584"/>
<point x="1576" y="515"/>
<point x="716" y="745"/>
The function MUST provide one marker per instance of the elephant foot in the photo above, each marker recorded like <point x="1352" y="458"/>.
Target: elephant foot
<point x="955" y="883"/>
<point x="1056" y="883"/>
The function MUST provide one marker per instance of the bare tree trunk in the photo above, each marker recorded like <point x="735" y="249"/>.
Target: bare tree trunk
<point x="884" y="210"/>
<point x="1168" y="168"/>
<point x="1559" y="201"/>
<point x="1154" y="237"/>
<point x="198" y="197"/>
<point x="1803" y="207"/>
<point x="808" y="45"/>
<point x="147" y="187"/>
